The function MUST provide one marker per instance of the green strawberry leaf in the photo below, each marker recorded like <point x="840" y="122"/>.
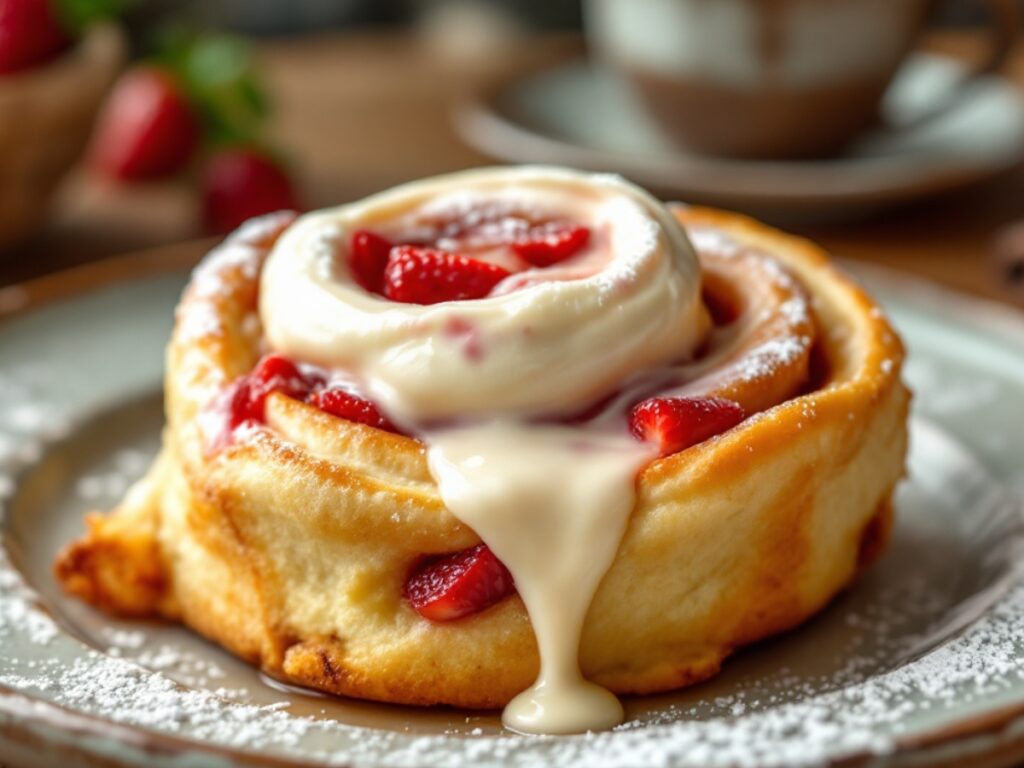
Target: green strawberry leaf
<point x="220" y="78"/>
<point x="77" y="15"/>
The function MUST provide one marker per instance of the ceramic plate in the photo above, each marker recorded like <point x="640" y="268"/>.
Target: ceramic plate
<point x="580" y="115"/>
<point x="922" y="659"/>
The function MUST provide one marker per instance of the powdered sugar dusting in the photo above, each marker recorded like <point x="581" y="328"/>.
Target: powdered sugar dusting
<point x="235" y="254"/>
<point x="711" y="239"/>
<point x="200" y="318"/>
<point x="128" y="466"/>
<point x="764" y="359"/>
<point x="795" y="311"/>
<point x="240" y="256"/>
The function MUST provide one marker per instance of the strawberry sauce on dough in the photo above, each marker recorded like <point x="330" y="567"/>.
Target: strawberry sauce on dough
<point x="550" y="497"/>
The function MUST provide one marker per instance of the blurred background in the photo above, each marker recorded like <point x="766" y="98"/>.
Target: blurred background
<point x="134" y="124"/>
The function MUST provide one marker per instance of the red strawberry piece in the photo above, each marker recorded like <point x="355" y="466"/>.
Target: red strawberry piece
<point x="242" y="405"/>
<point x="676" y="423"/>
<point x="416" y="275"/>
<point x="273" y="373"/>
<point x="451" y="586"/>
<point x="276" y="373"/>
<point x="30" y="34"/>
<point x="368" y="257"/>
<point x="147" y="128"/>
<point x="240" y="183"/>
<point x="345" y="405"/>
<point x="550" y="243"/>
<point x="245" y="398"/>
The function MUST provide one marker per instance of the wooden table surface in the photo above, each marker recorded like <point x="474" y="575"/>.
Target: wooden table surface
<point x="360" y="112"/>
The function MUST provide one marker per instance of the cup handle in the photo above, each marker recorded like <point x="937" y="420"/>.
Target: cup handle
<point x="1004" y="19"/>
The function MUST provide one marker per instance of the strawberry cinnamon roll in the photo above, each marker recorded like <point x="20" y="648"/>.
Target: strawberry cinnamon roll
<point x="516" y="437"/>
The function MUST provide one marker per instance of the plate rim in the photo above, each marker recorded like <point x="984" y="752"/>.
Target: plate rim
<point x="23" y="717"/>
<point x="70" y="282"/>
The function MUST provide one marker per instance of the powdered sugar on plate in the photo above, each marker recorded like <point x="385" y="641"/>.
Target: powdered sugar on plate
<point x="128" y="466"/>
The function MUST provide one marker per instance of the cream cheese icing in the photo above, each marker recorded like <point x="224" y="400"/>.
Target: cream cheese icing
<point x="545" y="348"/>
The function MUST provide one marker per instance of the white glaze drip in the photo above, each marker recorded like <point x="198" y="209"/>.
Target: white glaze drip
<point x="552" y="503"/>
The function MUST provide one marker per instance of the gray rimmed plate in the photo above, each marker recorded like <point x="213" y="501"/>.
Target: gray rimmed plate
<point x="921" y="661"/>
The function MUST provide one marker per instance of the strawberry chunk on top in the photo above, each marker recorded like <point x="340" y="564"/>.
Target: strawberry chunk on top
<point x="444" y="262"/>
<point x="552" y="242"/>
<point x="676" y="423"/>
<point x="449" y="587"/>
<point x="417" y="275"/>
<point x="368" y="257"/>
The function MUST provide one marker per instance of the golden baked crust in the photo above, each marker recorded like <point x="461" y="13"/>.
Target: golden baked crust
<point x="291" y="547"/>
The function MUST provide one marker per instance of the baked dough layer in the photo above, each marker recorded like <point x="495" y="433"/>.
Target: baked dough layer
<point x="291" y="547"/>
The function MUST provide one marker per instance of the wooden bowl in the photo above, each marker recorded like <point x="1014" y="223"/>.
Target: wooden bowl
<point x="46" y="114"/>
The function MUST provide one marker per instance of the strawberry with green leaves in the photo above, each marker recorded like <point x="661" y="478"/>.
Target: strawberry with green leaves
<point x="200" y="93"/>
<point x="147" y="129"/>
<point x="33" y="32"/>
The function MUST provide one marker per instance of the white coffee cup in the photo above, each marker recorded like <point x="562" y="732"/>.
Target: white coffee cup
<point x="765" y="78"/>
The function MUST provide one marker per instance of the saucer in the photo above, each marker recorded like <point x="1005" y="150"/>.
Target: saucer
<point x="582" y="115"/>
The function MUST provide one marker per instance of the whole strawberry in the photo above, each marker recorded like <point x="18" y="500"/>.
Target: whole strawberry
<point x="30" y="34"/>
<point x="241" y="182"/>
<point x="147" y="129"/>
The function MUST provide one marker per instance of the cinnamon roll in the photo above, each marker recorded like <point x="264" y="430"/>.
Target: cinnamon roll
<point x="514" y="437"/>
